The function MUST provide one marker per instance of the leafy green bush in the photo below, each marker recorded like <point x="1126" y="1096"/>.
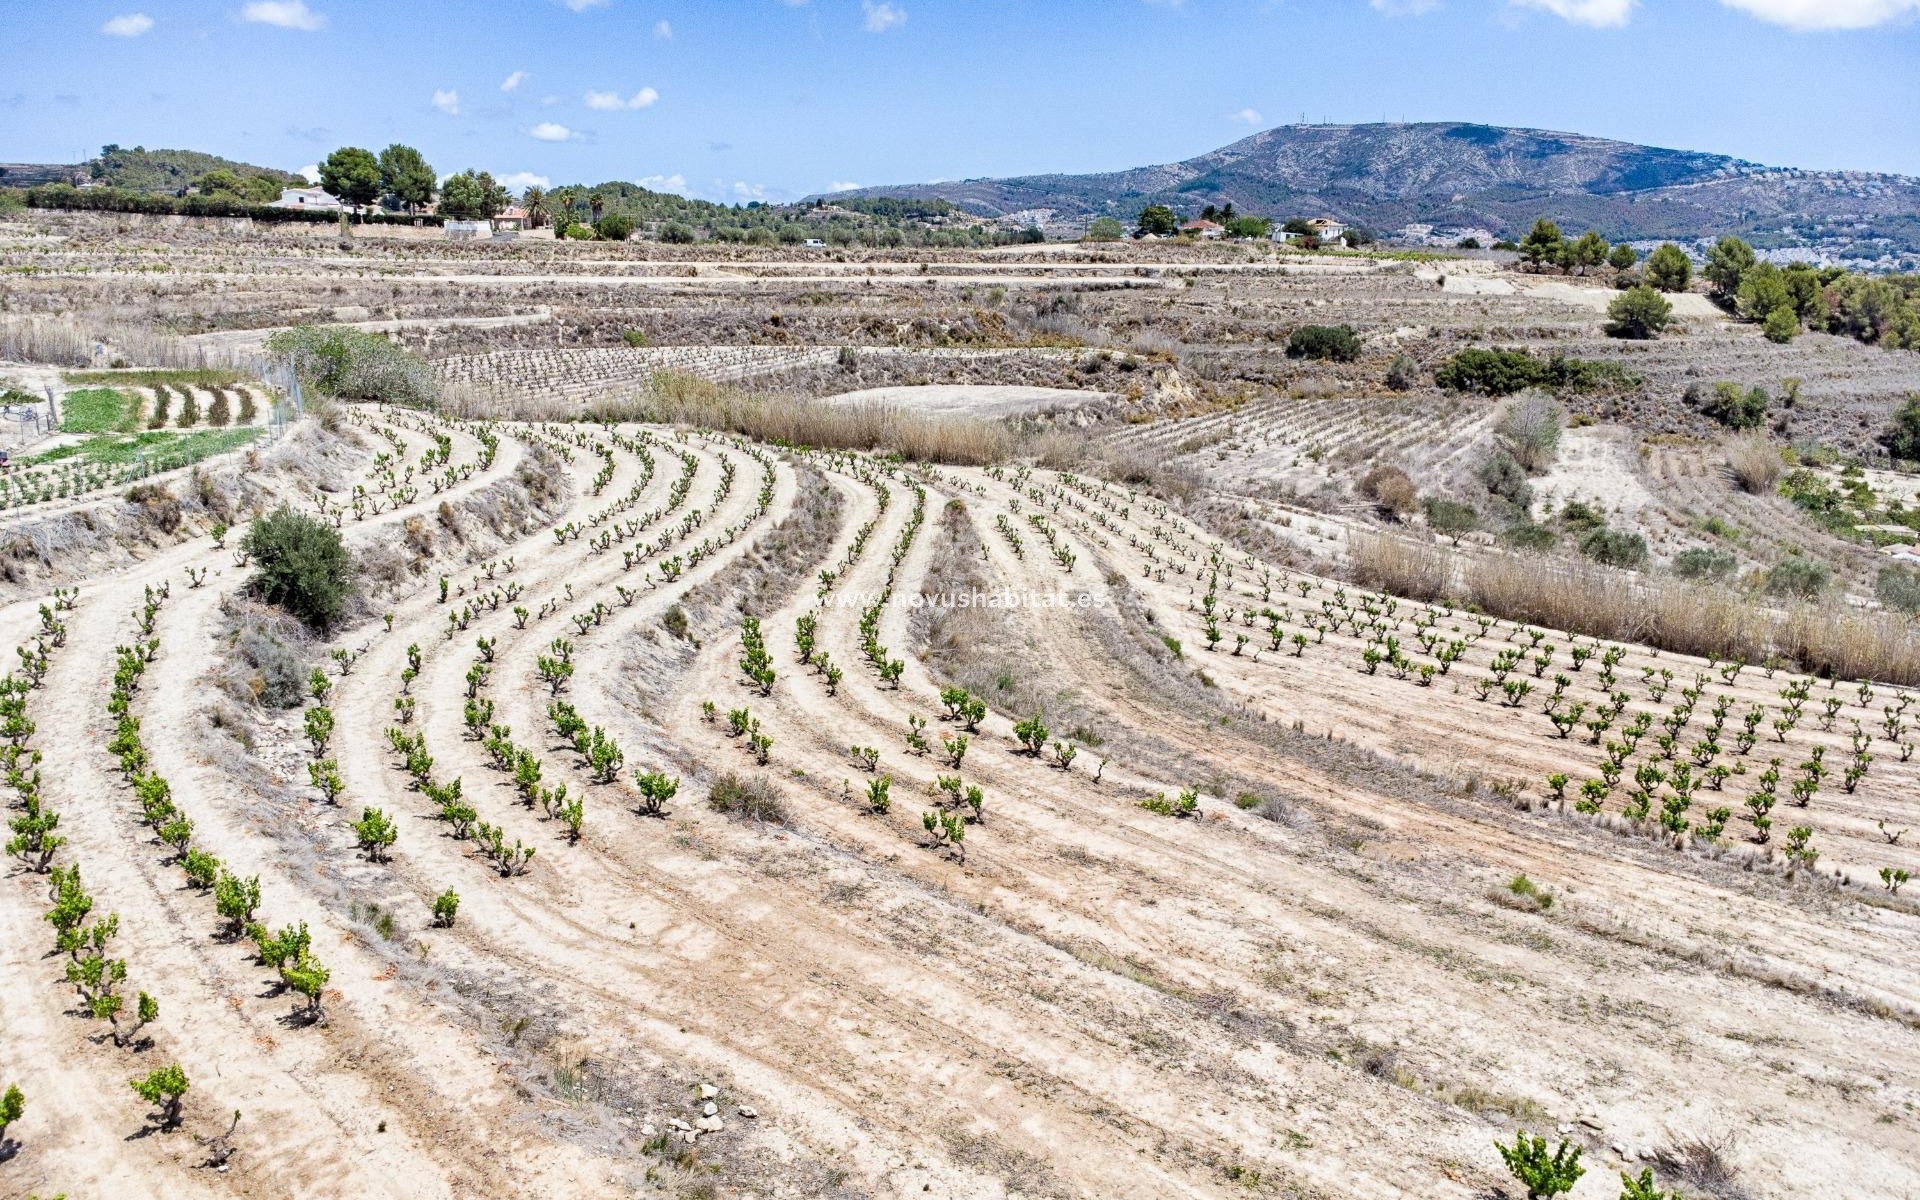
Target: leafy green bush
<point x="1580" y="516"/>
<point x="1337" y="343"/>
<point x="1529" y="535"/>
<point x="303" y="566"/>
<point x="1503" y="475"/>
<point x="1701" y="562"/>
<point x="1451" y="518"/>
<point x="1615" y="548"/>
<point x="353" y="364"/>
<point x="1639" y="313"/>
<point x="1504" y="372"/>
<point x="1902" y="438"/>
<point x="1669" y="269"/>
<point x="1898" y="587"/>
<point x="1730" y="406"/>
<point x="678" y="233"/>
<point x="1801" y="578"/>
<point x="1543" y="1175"/>
<point x="613" y="228"/>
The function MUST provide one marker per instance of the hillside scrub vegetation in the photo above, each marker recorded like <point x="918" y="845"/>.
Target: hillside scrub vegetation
<point x="301" y="565"/>
<point x="1504" y="372"/>
<point x="352" y="364"/>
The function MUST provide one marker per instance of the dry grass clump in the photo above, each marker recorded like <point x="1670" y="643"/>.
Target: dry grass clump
<point x="1754" y="462"/>
<point x="749" y="799"/>
<point x="1392" y="489"/>
<point x="674" y="398"/>
<point x="1701" y="1163"/>
<point x="1401" y="566"/>
<point x="1587" y="598"/>
<point x="65" y="342"/>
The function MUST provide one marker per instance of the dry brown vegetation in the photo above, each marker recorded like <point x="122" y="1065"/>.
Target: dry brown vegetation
<point x="1247" y="919"/>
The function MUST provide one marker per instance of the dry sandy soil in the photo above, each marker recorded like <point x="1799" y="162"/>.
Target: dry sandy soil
<point x="1319" y="984"/>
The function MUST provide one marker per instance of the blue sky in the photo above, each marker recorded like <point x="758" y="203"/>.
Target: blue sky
<point x="775" y="99"/>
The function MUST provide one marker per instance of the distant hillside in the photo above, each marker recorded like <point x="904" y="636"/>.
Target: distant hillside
<point x="1462" y="175"/>
<point x="143" y="170"/>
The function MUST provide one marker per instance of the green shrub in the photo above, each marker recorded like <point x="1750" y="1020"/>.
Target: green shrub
<point x="1902" y="438"/>
<point x="1703" y="563"/>
<point x="353" y="364"/>
<point x="303" y="566"/>
<point x="1504" y="372"/>
<point x="1337" y="343"/>
<point x="613" y="228"/>
<point x="1451" y="518"/>
<point x="1615" y="548"/>
<point x="1543" y="1175"/>
<point x="1782" y="325"/>
<point x="1580" y="516"/>
<point x="1529" y="535"/>
<point x="1639" y="313"/>
<point x="1898" y="587"/>
<point x="1507" y="479"/>
<point x="1669" y="269"/>
<point x="1403" y="374"/>
<point x="678" y="233"/>
<point x="1801" y="578"/>
<point x="1730" y="406"/>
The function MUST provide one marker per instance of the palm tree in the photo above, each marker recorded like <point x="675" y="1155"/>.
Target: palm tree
<point x="535" y="202"/>
<point x="562" y="205"/>
<point x="597" y="204"/>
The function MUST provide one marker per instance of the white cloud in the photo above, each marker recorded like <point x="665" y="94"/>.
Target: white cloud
<point x="583" y="5"/>
<point x="675" y="183"/>
<point x="882" y="16"/>
<point x="132" y="25"/>
<point x="552" y="131"/>
<point x="842" y="186"/>
<point x="520" y="181"/>
<point x="287" y="14"/>
<point x="512" y="82"/>
<point x="310" y="172"/>
<point x="1810" y="15"/>
<point x="1600" y="14"/>
<point x="1404" y="8"/>
<point x="614" y="102"/>
<point x="742" y="190"/>
<point x="664" y="31"/>
<point x="1250" y="116"/>
<point x="447" y="101"/>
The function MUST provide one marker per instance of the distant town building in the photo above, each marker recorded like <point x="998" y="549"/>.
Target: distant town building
<point x="1210" y="230"/>
<point x="1327" y="229"/>
<point x="313" y="198"/>
<point x="512" y="219"/>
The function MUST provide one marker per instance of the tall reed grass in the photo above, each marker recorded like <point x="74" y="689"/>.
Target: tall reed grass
<point x="1827" y="638"/>
<point x="71" y="341"/>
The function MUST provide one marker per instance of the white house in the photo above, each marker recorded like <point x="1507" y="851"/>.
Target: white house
<point x="1327" y="229"/>
<point x="1209" y="230"/>
<point x="308" y="197"/>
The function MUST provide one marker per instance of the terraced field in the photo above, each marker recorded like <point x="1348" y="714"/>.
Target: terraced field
<point x="1237" y="917"/>
<point x="673" y="813"/>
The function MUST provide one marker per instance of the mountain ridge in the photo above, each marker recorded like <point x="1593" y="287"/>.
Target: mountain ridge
<point x="1462" y="174"/>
